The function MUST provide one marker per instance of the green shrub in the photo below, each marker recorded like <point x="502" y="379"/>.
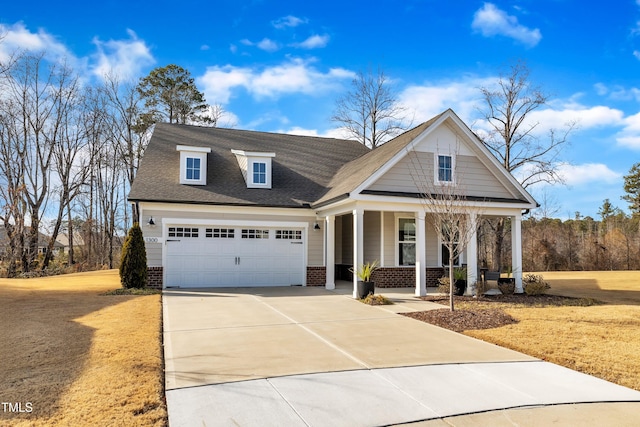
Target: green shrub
<point x="534" y="284"/>
<point x="133" y="264"/>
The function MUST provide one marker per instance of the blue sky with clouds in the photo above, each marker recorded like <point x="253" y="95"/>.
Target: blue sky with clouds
<point x="278" y="66"/>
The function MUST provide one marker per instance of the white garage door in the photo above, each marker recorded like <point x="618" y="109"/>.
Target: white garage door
<point x="203" y="256"/>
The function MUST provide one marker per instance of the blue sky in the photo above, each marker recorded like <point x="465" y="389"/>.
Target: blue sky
<point x="279" y="66"/>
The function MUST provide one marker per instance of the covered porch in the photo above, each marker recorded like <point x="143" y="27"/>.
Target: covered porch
<point x="404" y="242"/>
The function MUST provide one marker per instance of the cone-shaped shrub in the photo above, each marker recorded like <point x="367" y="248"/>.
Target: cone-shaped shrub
<point x="133" y="265"/>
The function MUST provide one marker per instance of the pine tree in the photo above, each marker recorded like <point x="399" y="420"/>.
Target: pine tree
<point x="133" y="266"/>
<point x="632" y="188"/>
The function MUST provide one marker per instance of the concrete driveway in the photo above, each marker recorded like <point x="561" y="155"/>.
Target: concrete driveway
<point x="311" y="357"/>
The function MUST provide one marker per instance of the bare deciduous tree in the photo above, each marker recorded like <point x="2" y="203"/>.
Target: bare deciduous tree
<point x="369" y="112"/>
<point x="513" y="139"/>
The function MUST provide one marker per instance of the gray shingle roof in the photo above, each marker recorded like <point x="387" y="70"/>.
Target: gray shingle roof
<point x="302" y="169"/>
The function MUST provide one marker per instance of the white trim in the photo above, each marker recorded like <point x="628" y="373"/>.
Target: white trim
<point x="193" y="149"/>
<point x="253" y="153"/>
<point x="166" y="222"/>
<point x="496" y="168"/>
<point x="382" y="239"/>
<point x="202" y="156"/>
<point x="247" y="210"/>
<point x="397" y="217"/>
<point x="232" y="222"/>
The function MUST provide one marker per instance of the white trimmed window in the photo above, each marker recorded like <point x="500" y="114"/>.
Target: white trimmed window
<point x="444" y="168"/>
<point x="255" y="167"/>
<point x="259" y="173"/>
<point x="406" y="241"/>
<point x="193" y="165"/>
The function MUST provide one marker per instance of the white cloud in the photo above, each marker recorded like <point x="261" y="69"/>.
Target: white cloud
<point x="265" y="44"/>
<point x="268" y="45"/>
<point x="491" y="21"/>
<point x="338" y="133"/>
<point x="124" y="58"/>
<point x="288" y="21"/>
<point x="432" y="98"/>
<point x="313" y="42"/>
<point x="18" y="38"/>
<point x="293" y="76"/>
<point x="587" y="173"/>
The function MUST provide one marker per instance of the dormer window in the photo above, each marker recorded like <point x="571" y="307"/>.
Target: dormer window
<point x="193" y="168"/>
<point x="193" y="164"/>
<point x="259" y="173"/>
<point x="255" y="167"/>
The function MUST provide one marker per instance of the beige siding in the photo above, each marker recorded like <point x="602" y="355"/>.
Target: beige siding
<point x="371" y="236"/>
<point x="415" y="173"/>
<point x="315" y="238"/>
<point x="389" y="239"/>
<point x="432" y="244"/>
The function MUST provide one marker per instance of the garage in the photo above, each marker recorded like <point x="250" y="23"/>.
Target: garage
<point x="234" y="256"/>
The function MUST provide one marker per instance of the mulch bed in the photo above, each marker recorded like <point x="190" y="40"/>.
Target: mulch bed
<point x="462" y="320"/>
<point x="484" y="316"/>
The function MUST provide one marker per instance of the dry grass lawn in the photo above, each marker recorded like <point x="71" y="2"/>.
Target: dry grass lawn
<point x="601" y="340"/>
<point x="78" y="357"/>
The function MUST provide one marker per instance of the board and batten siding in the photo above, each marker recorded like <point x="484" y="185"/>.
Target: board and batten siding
<point x="472" y="177"/>
<point x="315" y="238"/>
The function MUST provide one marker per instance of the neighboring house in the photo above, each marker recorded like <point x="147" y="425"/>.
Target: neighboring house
<point x="43" y="243"/>
<point x="78" y="241"/>
<point x="223" y="207"/>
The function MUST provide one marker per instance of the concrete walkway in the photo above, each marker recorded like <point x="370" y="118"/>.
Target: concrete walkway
<point x="309" y="357"/>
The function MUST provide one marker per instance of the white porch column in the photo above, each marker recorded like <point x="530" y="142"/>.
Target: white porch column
<point x="472" y="253"/>
<point x="516" y="251"/>
<point x="358" y="245"/>
<point x="330" y="245"/>
<point x="421" y="255"/>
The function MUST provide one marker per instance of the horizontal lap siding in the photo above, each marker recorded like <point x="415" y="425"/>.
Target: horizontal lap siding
<point x="315" y="254"/>
<point x="411" y="173"/>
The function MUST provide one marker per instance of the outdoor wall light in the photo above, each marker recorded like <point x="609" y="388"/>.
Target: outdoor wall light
<point x="316" y="226"/>
<point x="151" y="222"/>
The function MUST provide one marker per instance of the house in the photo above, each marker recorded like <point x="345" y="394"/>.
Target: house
<point x="224" y="207"/>
<point x="43" y="243"/>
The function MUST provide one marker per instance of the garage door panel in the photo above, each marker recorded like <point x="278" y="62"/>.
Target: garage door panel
<point x="211" y="261"/>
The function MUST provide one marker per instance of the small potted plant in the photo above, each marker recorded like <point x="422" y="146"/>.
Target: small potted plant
<point x="460" y="281"/>
<point x="365" y="285"/>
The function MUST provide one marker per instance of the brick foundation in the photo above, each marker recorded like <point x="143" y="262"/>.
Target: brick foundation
<point x="404" y="277"/>
<point x="316" y="276"/>
<point x="154" y="277"/>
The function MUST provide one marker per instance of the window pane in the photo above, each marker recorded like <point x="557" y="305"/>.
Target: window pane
<point x="406" y="229"/>
<point x="259" y="173"/>
<point x="444" y="168"/>
<point x="407" y="254"/>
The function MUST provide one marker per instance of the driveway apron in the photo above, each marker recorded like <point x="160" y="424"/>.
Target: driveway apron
<point x="307" y="356"/>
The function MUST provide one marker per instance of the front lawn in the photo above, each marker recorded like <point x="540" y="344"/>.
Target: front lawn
<point x="77" y="356"/>
<point x="598" y="339"/>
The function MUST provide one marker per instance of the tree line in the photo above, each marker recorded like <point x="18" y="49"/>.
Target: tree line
<point x="69" y="151"/>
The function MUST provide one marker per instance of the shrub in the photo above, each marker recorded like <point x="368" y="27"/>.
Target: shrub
<point x="133" y="264"/>
<point x="372" y="299"/>
<point x="534" y="284"/>
<point x="507" y="288"/>
<point x="481" y="287"/>
<point x="443" y="285"/>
